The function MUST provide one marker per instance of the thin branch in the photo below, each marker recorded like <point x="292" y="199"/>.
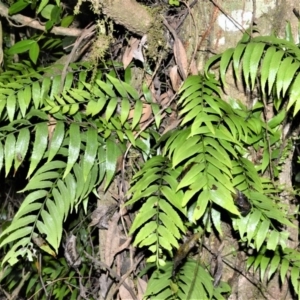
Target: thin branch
<point x="234" y="22"/>
<point x="112" y="273"/>
<point x="126" y="275"/>
<point x="40" y="274"/>
<point x="26" y="21"/>
<point x="17" y="290"/>
<point x="85" y="33"/>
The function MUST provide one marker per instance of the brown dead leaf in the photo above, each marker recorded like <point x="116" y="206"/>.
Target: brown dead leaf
<point x="165" y="97"/>
<point x="129" y="51"/>
<point x="119" y="164"/>
<point x="153" y="84"/>
<point x="173" y="123"/>
<point x="51" y="127"/>
<point x="146" y="113"/>
<point x="175" y="78"/>
<point x="141" y="286"/>
<point x="138" y="53"/>
<point x="123" y="292"/>
<point x="112" y="239"/>
<point x="181" y="58"/>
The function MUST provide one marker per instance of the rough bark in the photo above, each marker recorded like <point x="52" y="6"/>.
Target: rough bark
<point x="27" y="21"/>
<point x="133" y="16"/>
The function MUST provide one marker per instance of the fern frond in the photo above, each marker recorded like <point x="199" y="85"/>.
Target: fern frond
<point x="158" y="223"/>
<point x="274" y="62"/>
<point x="187" y="282"/>
<point x="199" y="148"/>
<point x="45" y="209"/>
<point x="285" y="261"/>
<point x="212" y="151"/>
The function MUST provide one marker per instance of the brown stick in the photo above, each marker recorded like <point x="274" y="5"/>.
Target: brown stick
<point x="26" y="21"/>
<point x="85" y="33"/>
<point x="112" y="273"/>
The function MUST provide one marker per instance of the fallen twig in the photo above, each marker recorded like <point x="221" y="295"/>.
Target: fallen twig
<point x="26" y="21"/>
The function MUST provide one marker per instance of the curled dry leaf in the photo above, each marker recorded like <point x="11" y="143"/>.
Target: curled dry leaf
<point x="165" y="97"/>
<point x="146" y="113"/>
<point x="181" y="58"/>
<point x="141" y="287"/>
<point x="51" y="127"/>
<point x="138" y="53"/>
<point x="128" y="55"/>
<point x="175" y="78"/>
<point x="123" y="292"/>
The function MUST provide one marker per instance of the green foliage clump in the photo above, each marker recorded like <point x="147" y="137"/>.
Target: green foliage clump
<point x="209" y="155"/>
<point x="67" y="142"/>
<point x="71" y="132"/>
<point x="207" y="164"/>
